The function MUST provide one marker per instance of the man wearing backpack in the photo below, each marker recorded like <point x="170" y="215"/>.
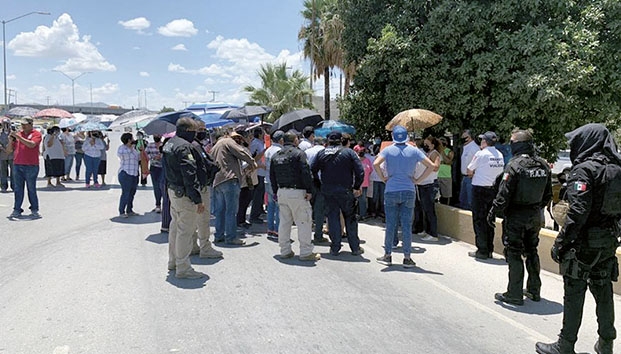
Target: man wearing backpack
<point x="586" y="246"/>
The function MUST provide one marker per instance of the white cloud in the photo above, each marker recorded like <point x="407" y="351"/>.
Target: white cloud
<point x="212" y="69"/>
<point x="144" y="74"/>
<point x="136" y="48"/>
<point x="11" y="77"/>
<point x="61" y="41"/>
<point x="138" y="24"/>
<point x="106" y="89"/>
<point x="179" y="47"/>
<point x="178" y="28"/>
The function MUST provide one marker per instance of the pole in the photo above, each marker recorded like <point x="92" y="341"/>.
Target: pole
<point x="4" y="22"/>
<point x="72" y="84"/>
<point x="145" y="99"/>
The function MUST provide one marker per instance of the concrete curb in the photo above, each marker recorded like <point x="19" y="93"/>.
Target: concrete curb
<point x="457" y="223"/>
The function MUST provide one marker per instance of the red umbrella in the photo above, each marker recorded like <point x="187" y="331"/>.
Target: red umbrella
<point x="53" y="113"/>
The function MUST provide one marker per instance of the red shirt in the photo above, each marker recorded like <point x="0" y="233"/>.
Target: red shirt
<point x="24" y="155"/>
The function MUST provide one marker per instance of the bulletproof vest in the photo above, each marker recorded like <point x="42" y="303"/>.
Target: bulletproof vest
<point x="281" y="161"/>
<point x="611" y="204"/>
<point x="533" y="178"/>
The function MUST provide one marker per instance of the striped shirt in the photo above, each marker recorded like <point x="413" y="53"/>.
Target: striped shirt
<point x="130" y="158"/>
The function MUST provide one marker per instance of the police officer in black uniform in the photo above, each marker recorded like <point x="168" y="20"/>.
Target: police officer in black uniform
<point x="341" y="177"/>
<point x="525" y="188"/>
<point x="292" y="183"/>
<point x="586" y="245"/>
<point x="186" y="203"/>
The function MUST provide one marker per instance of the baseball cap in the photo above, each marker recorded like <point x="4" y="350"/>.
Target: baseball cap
<point x="234" y="134"/>
<point x="27" y="120"/>
<point x="400" y="135"/>
<point x="335" y="136"/>
<point x="277" y="135"/>
<point x="489" y="136"/>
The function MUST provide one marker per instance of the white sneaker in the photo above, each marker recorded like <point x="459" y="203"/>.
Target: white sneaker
<point x="429" y="238"/>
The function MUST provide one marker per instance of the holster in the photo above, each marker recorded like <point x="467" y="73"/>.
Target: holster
<point x="179" y="191"/>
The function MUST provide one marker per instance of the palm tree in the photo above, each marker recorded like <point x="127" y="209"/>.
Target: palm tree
<point x="282" y="92"/>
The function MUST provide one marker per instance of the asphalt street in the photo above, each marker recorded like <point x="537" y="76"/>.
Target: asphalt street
<point x="83" y="280"/>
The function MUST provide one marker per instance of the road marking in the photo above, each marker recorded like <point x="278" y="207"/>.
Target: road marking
<point x="535" y="336"/>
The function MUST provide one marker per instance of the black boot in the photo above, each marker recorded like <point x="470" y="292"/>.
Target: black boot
<point x="558" y="347"/>
<point x="603" y="346"/>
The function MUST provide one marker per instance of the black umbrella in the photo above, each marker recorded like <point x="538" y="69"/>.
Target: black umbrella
<point x="159" y="127"/>
<point x="297" y="120"/>
<point x="246" y="112"/>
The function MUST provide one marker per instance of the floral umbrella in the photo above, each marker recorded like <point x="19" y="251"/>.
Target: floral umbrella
<point x="53" y="113"/>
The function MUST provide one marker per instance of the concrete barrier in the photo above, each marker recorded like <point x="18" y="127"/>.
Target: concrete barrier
<point x="457" y="223"/>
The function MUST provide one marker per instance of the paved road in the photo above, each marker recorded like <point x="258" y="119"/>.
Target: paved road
<point x="81" y="280"/>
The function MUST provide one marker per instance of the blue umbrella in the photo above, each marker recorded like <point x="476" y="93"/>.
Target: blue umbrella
<point x="212" y="120"/>
<point x="331" y="125"/>
<point x="90" y="126"/>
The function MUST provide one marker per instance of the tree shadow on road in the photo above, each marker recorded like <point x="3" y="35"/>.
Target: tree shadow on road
<point x="186" y="283"/>
<point x="159" y="238"/>
<point x="543" y="307"/>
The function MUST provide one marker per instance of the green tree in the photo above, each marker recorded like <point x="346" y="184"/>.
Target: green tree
<point x="281" y="91"/>
<point x="550" y="65"/>
<point x="166" y="109"/>
<point x="321" y="34"/>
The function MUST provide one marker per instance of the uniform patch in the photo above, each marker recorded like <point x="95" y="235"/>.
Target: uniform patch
<point x="190" y="157"/>
<point x="580" y="186"/>
<point x="505" y="177"/>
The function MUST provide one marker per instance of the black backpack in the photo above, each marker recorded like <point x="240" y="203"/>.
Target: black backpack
<point x="611" y="204"/>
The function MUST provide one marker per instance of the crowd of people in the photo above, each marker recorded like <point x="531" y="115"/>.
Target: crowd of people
<point x="298" y="179"/>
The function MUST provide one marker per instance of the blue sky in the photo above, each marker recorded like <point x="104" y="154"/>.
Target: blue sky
<point x="176" y="50"/>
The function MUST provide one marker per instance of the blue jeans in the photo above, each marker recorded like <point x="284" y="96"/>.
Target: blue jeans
<point x="226" y="197"/>
<point x="319" y="213"/>
<point x="25" y="175"/>
<point x="273" y="211"/>
<point x="426" y="194"/>
<point x="78" y="163"/>
<point x="6" y="174"/>
<point x="129" y="184"/>
<point x="68" y="164"/>
<point x="362" y="202"/>
<point x="92" y="166"/>
<point x="465" y="193"/>
<point x="156" y="177"/>
<point x="342" y="202"/>
<point x="399" y="208"/>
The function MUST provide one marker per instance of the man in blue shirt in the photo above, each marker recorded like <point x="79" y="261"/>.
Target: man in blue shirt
<point x="400" y="192"/>
<point x="341" y="176"/>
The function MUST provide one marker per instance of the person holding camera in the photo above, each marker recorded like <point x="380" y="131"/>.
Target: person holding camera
<point x="128" y="174"/>
<point x="54" y="155"/>
<point x="92" y="156"/>
<point x="26" y="162"/>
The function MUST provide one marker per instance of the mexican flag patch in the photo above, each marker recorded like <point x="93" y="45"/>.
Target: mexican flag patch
<point x="505" y="177"/>
<point x="580" y="186"/>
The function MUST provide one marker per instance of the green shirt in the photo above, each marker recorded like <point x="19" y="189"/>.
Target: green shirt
<point x="445" y="170"/>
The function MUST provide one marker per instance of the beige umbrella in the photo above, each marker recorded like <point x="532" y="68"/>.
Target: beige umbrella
<point x="415" y="119"/>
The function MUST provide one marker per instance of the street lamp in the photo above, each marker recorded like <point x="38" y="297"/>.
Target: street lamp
<point x="4" y="22"/>
<point x="73" y="84"/>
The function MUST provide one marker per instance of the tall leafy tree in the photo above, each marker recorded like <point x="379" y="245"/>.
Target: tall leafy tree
<point x="550" y="65"/>
<point x="282" y="91"/>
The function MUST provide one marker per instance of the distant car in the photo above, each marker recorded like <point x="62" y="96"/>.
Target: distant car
<point x="562" y="165"/>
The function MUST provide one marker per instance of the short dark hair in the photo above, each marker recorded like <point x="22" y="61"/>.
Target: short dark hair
<point x="257" y="132"/>
<point x="308" y="131"/>
<point x="290" y="137"/>
<point x="126" y="137"/>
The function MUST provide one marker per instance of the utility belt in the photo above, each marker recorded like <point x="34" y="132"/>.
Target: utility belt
<point x="573" y="268"/>
<point x="178" y="190"/>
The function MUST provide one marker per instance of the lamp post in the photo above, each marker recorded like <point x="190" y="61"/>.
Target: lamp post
<point x="73" y="84"/>
<point x="4" y="22"/>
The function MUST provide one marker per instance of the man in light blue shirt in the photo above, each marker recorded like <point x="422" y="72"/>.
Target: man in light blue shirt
<point x="399" y="195"/>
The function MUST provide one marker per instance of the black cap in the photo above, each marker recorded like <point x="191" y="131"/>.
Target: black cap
<point x="335" y="136"/>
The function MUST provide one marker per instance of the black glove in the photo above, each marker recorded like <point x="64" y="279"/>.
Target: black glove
<point x="555" y="252"/>
<point x="491" y="218"/>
